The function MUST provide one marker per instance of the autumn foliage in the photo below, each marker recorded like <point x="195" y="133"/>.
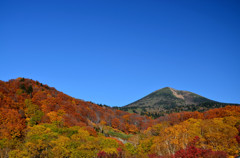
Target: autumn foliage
<point x="38" y="121"/>
<point x="11" y="123"/>
<point x="191" y="151"/>
<point x="61" y="108"/>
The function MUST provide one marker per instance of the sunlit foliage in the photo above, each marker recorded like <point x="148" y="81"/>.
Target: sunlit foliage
<point x="39" y="121"/>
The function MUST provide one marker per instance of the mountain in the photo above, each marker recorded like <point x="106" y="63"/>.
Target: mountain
<point x="39" y="121"/>
<point x="168" y="100"/>
<point x="169" y="97"/>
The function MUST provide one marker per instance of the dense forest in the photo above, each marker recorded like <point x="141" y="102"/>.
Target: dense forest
<point x="38" y="121"/>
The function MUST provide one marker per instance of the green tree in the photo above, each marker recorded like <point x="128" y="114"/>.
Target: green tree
<point x="33" y="113"/>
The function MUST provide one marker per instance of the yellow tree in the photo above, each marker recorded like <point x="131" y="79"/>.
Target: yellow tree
<point x="176" y="137"/>
<point x="83" y="145"/>
<point x="38" y="141"/>
<point x="60" y="147"/>
<point x="57" y="117"/>
<point x="220" y="136"/>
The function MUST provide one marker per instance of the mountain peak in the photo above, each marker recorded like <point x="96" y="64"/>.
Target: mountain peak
<point x="165" y="88"/>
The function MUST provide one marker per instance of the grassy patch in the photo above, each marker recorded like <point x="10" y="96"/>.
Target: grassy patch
<point x="119" y="134"/>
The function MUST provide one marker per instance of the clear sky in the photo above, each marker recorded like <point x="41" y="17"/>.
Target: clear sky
<point x="116" y="51"/>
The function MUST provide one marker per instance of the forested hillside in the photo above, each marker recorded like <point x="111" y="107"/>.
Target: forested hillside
<point x="38" y="121"/>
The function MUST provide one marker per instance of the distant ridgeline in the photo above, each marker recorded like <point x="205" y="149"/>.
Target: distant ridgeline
<point x="168" y="100"/>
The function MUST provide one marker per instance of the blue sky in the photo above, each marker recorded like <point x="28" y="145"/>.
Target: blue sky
<point x="116" y="51"/>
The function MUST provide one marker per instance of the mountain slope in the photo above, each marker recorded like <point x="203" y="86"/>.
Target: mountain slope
<point x="35" y="103"/>
<point x="168" y="100"/>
